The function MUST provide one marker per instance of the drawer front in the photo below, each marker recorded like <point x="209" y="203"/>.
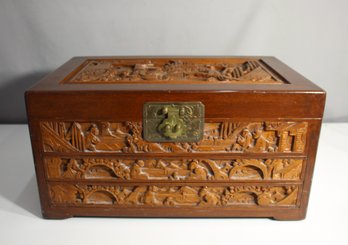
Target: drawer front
<point x="218" y="137"/>
<point x="164" y="169"/>
<point x="158" y="195"/>
<point x="235" y="164"/>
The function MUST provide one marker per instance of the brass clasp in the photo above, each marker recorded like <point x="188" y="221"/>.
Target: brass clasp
<point x="173" y="121"/>
<point x="173" y="126"/>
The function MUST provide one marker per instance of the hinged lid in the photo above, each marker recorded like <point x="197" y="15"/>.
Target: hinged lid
<point x="229" y="87"/>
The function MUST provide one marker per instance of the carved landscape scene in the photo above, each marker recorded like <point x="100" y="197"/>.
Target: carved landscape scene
<point x="239" y="137"/>
<point x="172" y="196"/>
<point x="173" y="170"/>
<point x="173" y="71"/>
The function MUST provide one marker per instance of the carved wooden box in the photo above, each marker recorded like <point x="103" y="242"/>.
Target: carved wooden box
<point x="174" y="137"/>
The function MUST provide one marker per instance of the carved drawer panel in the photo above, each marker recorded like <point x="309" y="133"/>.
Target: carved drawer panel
<point x="219" y="137"/>
<point x="173" y="169"/>
<point x="63" y="194"/>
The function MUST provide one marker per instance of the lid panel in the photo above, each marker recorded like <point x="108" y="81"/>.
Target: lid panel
<point x="173" y="70"/>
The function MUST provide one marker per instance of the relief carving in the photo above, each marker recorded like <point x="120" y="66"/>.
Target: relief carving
<point x="254" y="137"/>
<point x="173" y="196"/>
<point x="173" y="170"/>
<point x="116" y="71"/>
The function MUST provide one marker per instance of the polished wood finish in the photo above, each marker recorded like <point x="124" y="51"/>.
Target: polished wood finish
<point x="256" y="158"/>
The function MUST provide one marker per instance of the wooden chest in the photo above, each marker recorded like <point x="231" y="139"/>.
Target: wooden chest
<point x="174" y="137"/>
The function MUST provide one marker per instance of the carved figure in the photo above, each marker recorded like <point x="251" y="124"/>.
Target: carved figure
<point x="150" y="196"/>
<point x="263" y="143"/>
<point x="244" y="141"/>
<point x="208" y="197"/>
<point x="136" y="171"/>
<point x="73" y="169"/>
<point x="106" y="129"/>
<point x="92" y="138"/>
<point x="197" y="171"/>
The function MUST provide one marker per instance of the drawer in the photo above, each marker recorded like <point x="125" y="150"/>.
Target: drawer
<point x="171" y="195"/>
<point x="218" y="137"/>
<point x="172" y="169"/>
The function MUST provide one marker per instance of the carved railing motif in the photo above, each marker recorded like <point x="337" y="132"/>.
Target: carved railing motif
<point x="253" y="137"/>
<point x="172" y="196"/>
<point x="173" y="170"/>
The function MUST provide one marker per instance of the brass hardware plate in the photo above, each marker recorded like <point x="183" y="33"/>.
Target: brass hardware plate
<point x="173" y="121"/>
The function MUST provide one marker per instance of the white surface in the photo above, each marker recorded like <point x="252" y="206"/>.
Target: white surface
<point x="21" y="222"/>
<point x="37" y="36"/>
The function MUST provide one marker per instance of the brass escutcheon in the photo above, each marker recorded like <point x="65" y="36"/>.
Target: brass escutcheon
<point x="173" y="121"/>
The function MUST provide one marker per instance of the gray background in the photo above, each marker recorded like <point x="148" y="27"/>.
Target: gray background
<point x="36" y="36"/>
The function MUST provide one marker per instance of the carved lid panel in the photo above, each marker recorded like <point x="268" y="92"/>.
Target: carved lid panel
<point x="175" y="70"/>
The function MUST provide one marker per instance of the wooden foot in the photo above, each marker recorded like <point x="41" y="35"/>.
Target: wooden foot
<point x="289" y="217"/>
<point x="56" y="215"/>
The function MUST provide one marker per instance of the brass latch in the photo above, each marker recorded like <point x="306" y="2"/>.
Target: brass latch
<point x="173" y="121"/>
